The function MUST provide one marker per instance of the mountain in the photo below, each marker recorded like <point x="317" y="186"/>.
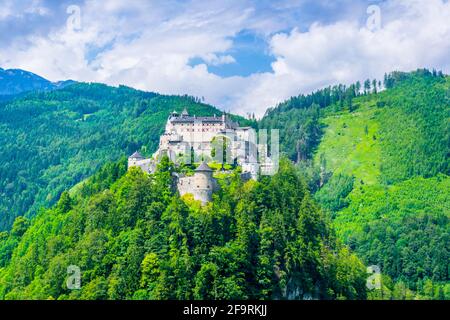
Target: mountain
<point x="394" y="149"/>
<point x="378" y="163"/>
<point x="16" y="81"/>
<point x="51" y="140"/>
<point x="370" y="186"/>
<point x="132" y="237"/>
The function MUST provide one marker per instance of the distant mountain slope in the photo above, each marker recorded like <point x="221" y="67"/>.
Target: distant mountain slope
<point x="15" y="81"/>
<point x="389" y="188"/>
<point x="52" y="140"/>
<point x="380" y="164"/>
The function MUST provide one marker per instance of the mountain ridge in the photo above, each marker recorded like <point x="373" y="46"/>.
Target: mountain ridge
<point x="16" y="81"/>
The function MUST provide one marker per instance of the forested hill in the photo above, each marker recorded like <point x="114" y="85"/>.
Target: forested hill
<point x="51" y="140"/>
<point x="132" y="237"/>
<point x="378" y="160"/>
<point x="425" y="107"/>
<point x="374" y="156"/>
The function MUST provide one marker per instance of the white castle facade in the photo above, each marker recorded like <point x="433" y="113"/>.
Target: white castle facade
<point x="195" y="139"/>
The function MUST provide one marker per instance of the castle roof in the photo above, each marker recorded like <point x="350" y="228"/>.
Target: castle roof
<point x="185" y="119"/>
<point x="203" y="167"/>
<point x="137" y="155"/>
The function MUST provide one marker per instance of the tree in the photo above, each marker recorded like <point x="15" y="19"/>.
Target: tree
<point x="367" y="86"/>
<point x="65" y="202"/>
<point x="358" y="88"/>
<point x="20" y="226"/>
<point x="374" y="85"/>
<point x="150" y="271"/>
<point x="350" y="105"/>
<point x="221" y="150"/>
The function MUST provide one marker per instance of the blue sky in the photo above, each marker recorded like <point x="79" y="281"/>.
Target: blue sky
<point x="243" y="56"/>
<point x="249" y="52"/>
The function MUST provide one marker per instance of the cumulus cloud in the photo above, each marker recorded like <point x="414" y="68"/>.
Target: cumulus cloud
<point x="413" y="34"/>
<point x="149" y="46"/>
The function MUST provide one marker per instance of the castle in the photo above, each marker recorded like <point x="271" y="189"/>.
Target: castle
<point x="190" y="139"/>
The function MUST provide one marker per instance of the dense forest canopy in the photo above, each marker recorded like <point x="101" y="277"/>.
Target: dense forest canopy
<point x="134" y="238"/>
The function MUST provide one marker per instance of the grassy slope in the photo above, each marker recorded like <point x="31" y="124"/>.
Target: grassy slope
<point x="346" y="146"/>
<point x="352" y="149"/>
<point x="351" y="145"/>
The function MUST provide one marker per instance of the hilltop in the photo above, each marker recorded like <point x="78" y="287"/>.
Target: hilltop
<point x="132" y="237"/>
<point x="51" y="140"/>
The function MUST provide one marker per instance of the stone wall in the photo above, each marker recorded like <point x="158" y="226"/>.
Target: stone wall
<point x="199" y="185"/>
<point x="147" y="165"/>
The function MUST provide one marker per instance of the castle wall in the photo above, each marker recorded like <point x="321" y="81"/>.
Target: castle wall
<point x="147" y="165"/>
<point x="200" y="185"/>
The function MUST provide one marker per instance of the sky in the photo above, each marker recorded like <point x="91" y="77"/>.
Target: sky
<point x="242" y="56"/>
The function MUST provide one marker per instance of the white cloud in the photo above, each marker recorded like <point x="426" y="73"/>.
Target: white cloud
<point x="215" y="60"/>
<point x="416" y="36"/>
<point x="6" y="10"/>
<point x="149" y="47"/>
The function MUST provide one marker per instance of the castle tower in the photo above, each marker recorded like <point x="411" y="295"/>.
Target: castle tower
<point x="203" y="178"/>
<point x="201" y="185"/>
<point x="134" y="159"/>
<point x="137" y="160"/>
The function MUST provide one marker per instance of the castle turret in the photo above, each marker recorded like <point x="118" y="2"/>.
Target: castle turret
<point x="173" y="114"/>
<point x="201" y="185"/>
<point x="136" y="156"/>
<point x="203" y="176"/>
<point x="137" y="160"/>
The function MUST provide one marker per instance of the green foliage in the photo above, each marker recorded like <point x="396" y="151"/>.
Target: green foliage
<point x="136" y="239"/>
<point x="53" y="140"/>
<point x="415" y="135"/>
<point x="395" y="213"/>
<point x="298" y="118"/>
<point x="333" y="195"/>
<point x="221" y="150"/>
<point x="300" y="130"/>
<point x="403" y="229"/>
<point x="378" y="163"/>
<point x="19" y="227"/>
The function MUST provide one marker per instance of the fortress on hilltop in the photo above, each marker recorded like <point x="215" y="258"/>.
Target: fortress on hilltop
<point x="190" y="139"/>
